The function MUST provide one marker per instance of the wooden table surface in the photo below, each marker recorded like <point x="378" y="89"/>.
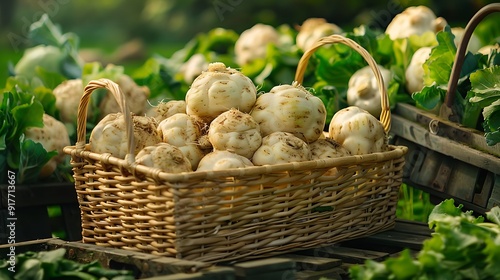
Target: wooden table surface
<point x="329" y="262"/>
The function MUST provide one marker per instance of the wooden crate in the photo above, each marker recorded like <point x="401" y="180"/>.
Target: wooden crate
<point x="447" y="160"/>
<point x="32" y="220"/>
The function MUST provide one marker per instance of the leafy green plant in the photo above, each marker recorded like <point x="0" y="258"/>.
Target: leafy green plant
<point x="19" y="111"/>
<point x="462" y="246"/>
<point x="52" y="265"/>
<point x="485" y="94"/>
<point x="51" y="53"/>
<point x="477" y="88"/>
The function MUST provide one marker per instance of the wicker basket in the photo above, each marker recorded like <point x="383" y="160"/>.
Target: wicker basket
<point x="227" y="215"/>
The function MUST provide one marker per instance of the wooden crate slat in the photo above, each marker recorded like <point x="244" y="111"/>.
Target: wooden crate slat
<point x="351" y="255"/>
<point x="447" y="129"/>
<point x="312" y="263"/>
<point x="337" y="273"/>
<point x="256" y="267"/>
<point x="418" y="134"/>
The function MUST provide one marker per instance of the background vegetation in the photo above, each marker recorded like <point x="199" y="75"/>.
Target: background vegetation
<point x="165" y="25"/>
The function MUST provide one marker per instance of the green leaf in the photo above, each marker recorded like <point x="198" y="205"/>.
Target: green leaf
<point x="492" y="252"/>
<point x="492" y="138"/>
<point x="494" y="215"/>
<point x="33" y="157"/>
<point x="371" y="270"/>
<point x="485" y="84"/>
<point x="403" y="267"/>
<point x="52" y="256"/>
<point x="437" y="68"/>
<point x="49" y="79"/>
<point x="30" y="269"/>
<point x="76" y="275"/>
<point x="485" y="92"/>
<point x="430" y="97"/>
<point x="462" y="246"/>
<point x="95" y="71"/>
<point x="45" y="32"/>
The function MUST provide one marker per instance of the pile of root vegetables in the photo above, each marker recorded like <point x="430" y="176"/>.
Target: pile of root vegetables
<point x="224" y="123"/>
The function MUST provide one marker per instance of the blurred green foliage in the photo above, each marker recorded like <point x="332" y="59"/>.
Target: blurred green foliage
<point x="113" y="21"/>
<point x="166" y="25"/>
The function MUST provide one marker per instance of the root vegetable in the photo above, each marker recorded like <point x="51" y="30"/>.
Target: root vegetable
<point x="474" y="42"/>
<point x="109" y="135"/>
<point x="50" y="58"/>
<point x="358" y="131"/>
<point x="281" y="147"/>
<point x="192" y="68"/>
<point x="414" y="73"/>
<point x="54" y="137"/>
<point x="217" y="90"/>
<point x="327" y="148"/>
<point x="252" y="43"/>
<point x="290" y="108"/>
<point x="487" y="49"/>
<point x="221" y="160"/>
<point x="136" y="96"/>
<point x="182" y="131"/>
<point x="68" y="95"/>
<point x="164" y="156"/>
<point x="166" y="109"/>
<point x="236" y="132"/>
<point x="363" y="90"/>
<point x="312" y="29"/>
<point x="415" y="20"/>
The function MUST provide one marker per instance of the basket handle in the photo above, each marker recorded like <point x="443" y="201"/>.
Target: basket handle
<point x="446" y="112"/>
<point x="385" y="115"/>
<point x="81" y="122"/>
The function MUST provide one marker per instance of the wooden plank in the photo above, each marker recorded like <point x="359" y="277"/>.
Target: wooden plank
<point x="312" y="263"/>
<point x="145" y="265"/>
<point x="428" y="164"/>
<point x="255" y="268"/>
<point x="413" y="227"/>
<point x="495" y="193"/>
<point x="485" y="184"/>
<point x="445" y="128"/>
<point x="351" y="255"/>
<point x="418" y="134"/>
<point x="215" y="273"/>
<point x="396" y="239"/>
<point x="462" y="182"/>
<point x="337" y="273"/>
<point x="492" y="202"/>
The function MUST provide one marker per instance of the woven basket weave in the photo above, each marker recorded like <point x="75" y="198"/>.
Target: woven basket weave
<point x="226" y="215"/>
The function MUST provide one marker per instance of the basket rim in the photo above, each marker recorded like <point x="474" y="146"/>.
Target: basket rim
<point x="394" y="152"/>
